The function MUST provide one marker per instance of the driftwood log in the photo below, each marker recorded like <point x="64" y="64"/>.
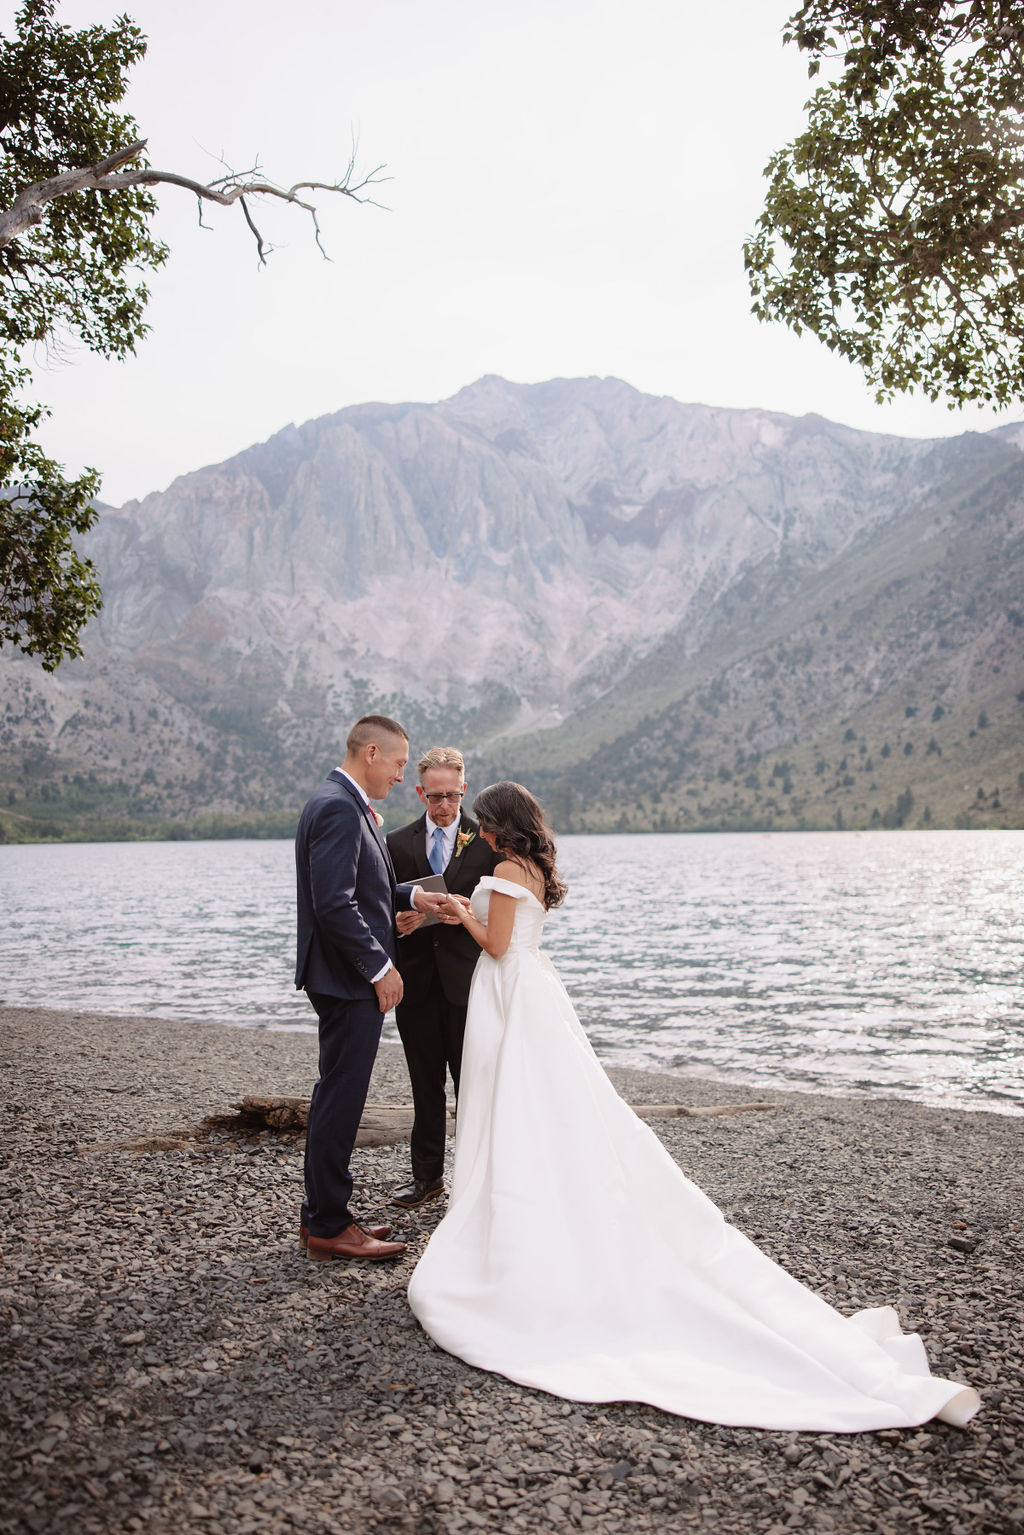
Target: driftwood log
<point x="385" y="1124"/>
<point x="382" y="1124"/>
<point x="682" y="1111"/>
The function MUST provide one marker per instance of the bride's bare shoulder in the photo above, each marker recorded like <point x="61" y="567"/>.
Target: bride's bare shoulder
<point x="520" y="874"/>
<point x="513" y="872"/>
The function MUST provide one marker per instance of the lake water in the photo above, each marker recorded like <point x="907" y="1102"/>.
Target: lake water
<point x="882" y="962"/>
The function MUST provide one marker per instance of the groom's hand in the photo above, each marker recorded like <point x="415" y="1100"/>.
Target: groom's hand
<point x="428" y="900"/>
<point x="389" y="990"/>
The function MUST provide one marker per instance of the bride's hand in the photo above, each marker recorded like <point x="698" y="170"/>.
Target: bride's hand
<point x="455" y="907"/>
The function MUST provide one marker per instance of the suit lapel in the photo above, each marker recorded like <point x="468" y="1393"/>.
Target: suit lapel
<point x="379" y="835"/>
<point x="453" y="874"/>
<point x="370" y="819"/>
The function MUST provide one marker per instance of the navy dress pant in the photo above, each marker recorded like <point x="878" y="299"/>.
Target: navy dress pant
<point x="349" y="1036"/>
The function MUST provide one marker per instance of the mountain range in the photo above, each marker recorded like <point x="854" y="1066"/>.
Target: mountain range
<point x="661" y="616"/>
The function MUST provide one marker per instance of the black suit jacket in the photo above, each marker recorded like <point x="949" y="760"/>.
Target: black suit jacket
<point x="347" y="893"/>
<point x="448" y="951"/>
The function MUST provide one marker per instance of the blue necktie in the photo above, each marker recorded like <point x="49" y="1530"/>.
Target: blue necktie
<point x="436" y="855"/>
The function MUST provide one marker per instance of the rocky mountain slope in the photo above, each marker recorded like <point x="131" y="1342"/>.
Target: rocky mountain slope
<point x="663" y="615"/>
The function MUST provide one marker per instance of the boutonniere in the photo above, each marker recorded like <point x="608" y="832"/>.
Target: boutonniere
<point x="377" y="816"/>
<point x="462" y="841"/>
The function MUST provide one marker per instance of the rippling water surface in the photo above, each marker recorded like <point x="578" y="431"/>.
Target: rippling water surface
<point x="877" y="962"/>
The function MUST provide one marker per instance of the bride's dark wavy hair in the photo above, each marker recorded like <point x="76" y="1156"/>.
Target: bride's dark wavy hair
<point x="520" y="830"/>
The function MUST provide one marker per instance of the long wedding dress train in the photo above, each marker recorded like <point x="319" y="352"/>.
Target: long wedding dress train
<point x="576" y="1257"/>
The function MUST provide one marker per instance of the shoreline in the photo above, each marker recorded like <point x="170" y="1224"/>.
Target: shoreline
<point x="1008" y="1108"/>
<point x="244" y="830"/>
<point x="175" y="1365"/>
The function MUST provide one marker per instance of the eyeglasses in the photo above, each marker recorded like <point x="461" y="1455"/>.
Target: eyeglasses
<point x="436" y="799"/>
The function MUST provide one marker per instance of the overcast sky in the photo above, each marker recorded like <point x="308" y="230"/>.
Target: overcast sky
<point x="571" y="184"/>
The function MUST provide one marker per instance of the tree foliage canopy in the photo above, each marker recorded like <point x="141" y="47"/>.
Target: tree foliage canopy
<point x="72" y="275"/>
<point x="75" y="207"/>
<point x="893" y="227"/>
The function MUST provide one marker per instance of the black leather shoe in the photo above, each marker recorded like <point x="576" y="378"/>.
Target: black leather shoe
<point x="417" y="1193"/>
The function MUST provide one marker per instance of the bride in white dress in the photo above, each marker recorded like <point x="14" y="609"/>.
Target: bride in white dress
<point x="576" y="1257"/>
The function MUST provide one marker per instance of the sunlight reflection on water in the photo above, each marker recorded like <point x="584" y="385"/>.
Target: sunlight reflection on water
<point x="887" y="962"/>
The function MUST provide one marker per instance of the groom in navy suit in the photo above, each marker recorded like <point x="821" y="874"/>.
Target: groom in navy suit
<point x="347" y="897"/>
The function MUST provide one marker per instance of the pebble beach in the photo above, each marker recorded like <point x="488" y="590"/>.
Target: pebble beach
<point x="173" y="1363"/>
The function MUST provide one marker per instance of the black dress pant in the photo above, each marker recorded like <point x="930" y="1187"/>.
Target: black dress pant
<point x="349" y="1036"/>
<point x="432" y="1030"/>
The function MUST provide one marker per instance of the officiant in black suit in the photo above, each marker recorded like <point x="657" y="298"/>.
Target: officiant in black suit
<point x="347" y="898"/>
<point x="437" y="961"/>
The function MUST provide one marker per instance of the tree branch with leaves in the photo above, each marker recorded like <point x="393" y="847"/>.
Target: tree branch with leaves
<point x="893" y="227"/>
<point x="75" y="211"/>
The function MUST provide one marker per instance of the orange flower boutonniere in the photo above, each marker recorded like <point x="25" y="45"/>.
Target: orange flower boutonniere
<point x="462" y="841"/>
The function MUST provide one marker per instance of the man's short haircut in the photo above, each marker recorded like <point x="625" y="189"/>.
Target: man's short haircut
<point x="368" y="731"/>
<point x="441" y="757"/>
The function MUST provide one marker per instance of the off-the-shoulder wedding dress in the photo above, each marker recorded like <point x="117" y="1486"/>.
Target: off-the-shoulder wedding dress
<point x="576" y="1257"/>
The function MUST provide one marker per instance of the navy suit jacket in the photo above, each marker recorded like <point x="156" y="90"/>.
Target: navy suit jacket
<point x="347" y="893"/>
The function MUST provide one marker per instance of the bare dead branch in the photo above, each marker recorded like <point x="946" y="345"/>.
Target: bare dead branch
<point x="30" y="204"/>
<point x="107" y="176"/>
<point x="255" y="232"/>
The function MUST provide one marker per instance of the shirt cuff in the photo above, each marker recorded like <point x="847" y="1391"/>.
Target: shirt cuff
<point x="382" y="974"/>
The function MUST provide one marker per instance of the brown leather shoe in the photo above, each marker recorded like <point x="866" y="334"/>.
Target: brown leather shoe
<point x="352" y="1243"/>
<point x="380" y="1232"/>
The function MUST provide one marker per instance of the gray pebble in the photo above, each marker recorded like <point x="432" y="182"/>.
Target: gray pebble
<point x="173" y="1364"/>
